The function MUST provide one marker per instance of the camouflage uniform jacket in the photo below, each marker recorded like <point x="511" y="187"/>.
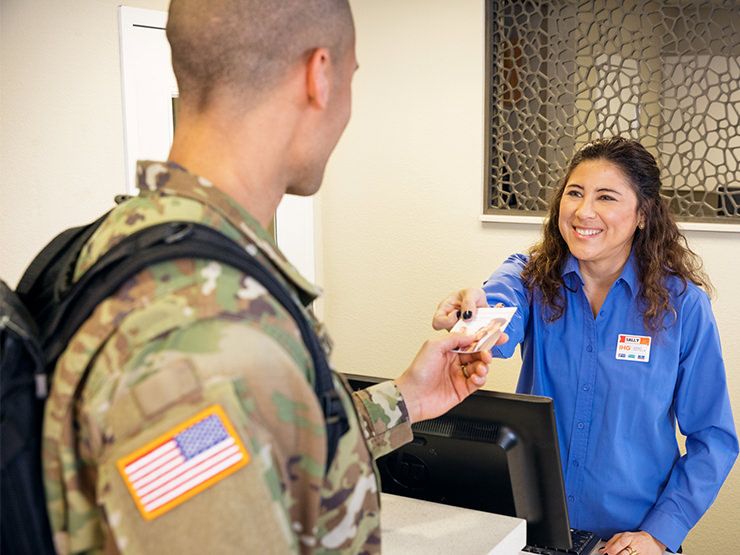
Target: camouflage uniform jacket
<point x="177" y="342"/>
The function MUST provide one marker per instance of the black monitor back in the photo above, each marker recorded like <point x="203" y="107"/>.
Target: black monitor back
<point x="494" y="452"/>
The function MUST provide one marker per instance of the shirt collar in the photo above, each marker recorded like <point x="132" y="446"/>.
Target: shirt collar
<point x="171" y="179"/>
<point x="629" y="273"/>
<point x="571" y="268"/>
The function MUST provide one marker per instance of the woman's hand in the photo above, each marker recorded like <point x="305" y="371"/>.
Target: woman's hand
<point x="463" y="303"/>
<point x="632" y="543"/>
<point x="438" y="379"/>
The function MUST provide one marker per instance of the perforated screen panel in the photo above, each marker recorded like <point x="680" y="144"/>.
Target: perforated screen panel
<point x="561" y="73"/>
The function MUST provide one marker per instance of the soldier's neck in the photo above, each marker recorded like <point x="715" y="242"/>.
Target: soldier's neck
<point x="244" y="161"/>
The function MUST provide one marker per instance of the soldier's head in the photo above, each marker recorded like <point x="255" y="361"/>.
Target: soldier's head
<point x="235" y="54"/>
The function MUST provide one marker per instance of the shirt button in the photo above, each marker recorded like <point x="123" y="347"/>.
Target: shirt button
<point x="586" y="387"/>
<point x="589" y="348"/>
<point x="576" y="464"/>
<point x="571" y="498"/>
<point x="581" y="425"/>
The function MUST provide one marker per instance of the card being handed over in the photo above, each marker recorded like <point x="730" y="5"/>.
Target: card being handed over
<point x="487" y="326"/>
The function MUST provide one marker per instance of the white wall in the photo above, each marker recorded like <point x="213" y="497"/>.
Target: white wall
<point x="402" y="195"/>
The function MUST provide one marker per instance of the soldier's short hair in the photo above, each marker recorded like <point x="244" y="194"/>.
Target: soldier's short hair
<point x="246" y="46"/>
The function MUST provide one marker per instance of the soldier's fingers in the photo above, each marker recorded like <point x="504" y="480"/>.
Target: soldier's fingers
<point x="453" y="341"/>
<point x="483" y="356"/>
<point x="480" y="370"/>
<point x="475" y="375"/>
<point x="475" y="371"/>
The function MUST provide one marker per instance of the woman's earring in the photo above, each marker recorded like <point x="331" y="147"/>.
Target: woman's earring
<point x="641" y="225"/>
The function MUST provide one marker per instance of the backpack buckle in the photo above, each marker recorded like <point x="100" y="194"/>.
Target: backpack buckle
<point x="180" y="230"/>
<point x="332" y="407"/>
<point x="42" y="386"/>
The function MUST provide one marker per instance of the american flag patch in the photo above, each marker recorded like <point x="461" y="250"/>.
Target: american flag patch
<point x="183" y="462"/>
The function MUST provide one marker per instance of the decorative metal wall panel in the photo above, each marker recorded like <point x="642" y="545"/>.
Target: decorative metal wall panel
<point x="562" y="73"/>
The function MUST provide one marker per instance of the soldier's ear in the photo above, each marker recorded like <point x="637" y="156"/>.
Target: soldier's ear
<point x="319" y="78"/>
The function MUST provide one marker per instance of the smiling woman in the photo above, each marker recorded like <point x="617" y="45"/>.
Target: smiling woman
<point x="615" y="327"/>
<point x="608" y="206"/>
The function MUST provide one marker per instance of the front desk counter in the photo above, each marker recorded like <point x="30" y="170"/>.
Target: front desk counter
<point x="411" y="527"/>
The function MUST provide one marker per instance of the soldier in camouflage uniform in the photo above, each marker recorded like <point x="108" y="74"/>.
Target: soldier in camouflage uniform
<point x="192" y="348"/>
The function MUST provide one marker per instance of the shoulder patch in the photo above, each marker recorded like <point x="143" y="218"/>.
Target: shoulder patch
<point x="184" y="461"/>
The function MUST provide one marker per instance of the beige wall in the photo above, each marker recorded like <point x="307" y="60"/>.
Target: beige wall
<point x="403" y="194"/>
<point x="61" y="120"/>
<point x="401" y="199"/>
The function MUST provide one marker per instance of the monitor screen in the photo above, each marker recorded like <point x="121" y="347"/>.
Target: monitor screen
<point x="494" y="452"/>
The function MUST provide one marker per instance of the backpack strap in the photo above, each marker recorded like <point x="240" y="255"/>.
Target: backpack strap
<point x="51" y="272"/>
<point x="179" y="240"/>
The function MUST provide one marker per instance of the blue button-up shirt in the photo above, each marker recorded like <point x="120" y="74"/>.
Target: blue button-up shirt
<point x="616" y="412"/>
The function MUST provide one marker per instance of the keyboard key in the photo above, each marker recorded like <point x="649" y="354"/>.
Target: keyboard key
<point x="582" y="540"/>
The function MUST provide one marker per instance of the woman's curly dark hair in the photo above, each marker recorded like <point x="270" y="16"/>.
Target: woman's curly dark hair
<point x="660" y="249"/>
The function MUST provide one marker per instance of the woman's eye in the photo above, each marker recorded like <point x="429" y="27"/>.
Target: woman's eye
<point x="607" y="197"/>
<point x="573" y="193"/>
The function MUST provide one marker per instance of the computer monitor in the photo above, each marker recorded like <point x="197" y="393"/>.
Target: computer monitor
<point x="494" y="452"/>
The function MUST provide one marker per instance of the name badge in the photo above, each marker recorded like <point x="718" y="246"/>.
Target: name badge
<point x="633" y="347"/>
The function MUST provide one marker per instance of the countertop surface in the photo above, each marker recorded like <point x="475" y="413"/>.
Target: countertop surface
<point x="410" y="526"/>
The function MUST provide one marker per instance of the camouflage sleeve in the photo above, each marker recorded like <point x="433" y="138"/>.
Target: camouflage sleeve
<point x="384" y="417"/>
<point x="192" y="367"/>
<point x="232" y="376"/>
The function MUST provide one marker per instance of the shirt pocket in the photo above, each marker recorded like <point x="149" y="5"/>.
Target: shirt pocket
<point x="642" y="387"/>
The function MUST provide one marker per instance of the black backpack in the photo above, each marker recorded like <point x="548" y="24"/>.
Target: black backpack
<point x="46" y="310"/>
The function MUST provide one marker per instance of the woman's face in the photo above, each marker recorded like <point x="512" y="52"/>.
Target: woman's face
<point x="598" y="214"/>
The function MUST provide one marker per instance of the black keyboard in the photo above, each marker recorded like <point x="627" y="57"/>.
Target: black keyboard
<point x="583" y="542"/>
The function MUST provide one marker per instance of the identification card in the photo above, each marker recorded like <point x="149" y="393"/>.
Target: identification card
<point x="633" y="347"/>
<point x="487" y="327"/>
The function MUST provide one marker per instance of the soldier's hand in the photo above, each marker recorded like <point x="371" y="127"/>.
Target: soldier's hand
<point x="439" y="379"/>
<point x="461" y="304"/>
